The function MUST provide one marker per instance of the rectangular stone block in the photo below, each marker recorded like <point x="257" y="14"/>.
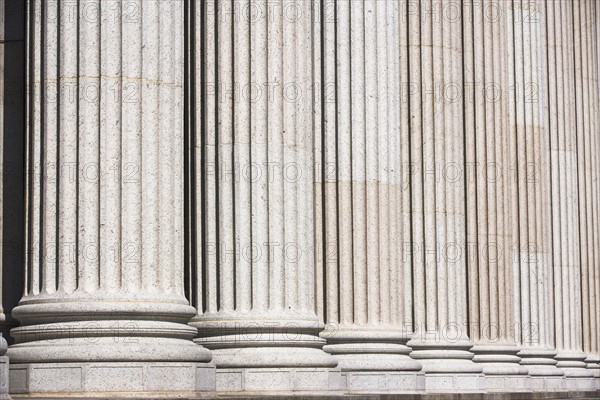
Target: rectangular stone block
<point x="19" y="379"/>
<point x="205" y="378"/>
<point x="278" y="380"/>
<point x="3" y="377"/>
<point x="502" y="383"/>
<point x="453" y="383"/>
<point x="62" y="378"/>
<point x="229" y="381"/>
<point x="157" y="375"/>
<point x="259" y="380"/>
<point x="365" y="381"/>
<point x="308" y="379"/>
<point x="116" y="378"/>
<point x="548" y="383"/>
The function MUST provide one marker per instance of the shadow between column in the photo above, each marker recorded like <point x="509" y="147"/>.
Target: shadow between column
<point x="13" y="157"/>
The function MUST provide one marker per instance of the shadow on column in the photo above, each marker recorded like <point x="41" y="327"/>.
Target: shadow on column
<point x="13" y="110"/>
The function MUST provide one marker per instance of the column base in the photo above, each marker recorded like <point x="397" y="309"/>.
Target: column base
<point x="374" y="360"/>
<point x="448" y="366"/>
<point x="501" y="367"/>
<point x="593" y="364"/>
<point x="4" y="378"/>
<point x="541" y="365"/>
<point x="276" y="369"/>
<point x="149" y="380"/>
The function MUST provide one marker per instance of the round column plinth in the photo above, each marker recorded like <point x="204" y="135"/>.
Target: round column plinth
<point x="374" y="360"/>
<point x="267" y="352"/>
<point x="448" y="365"/>
<point x="501" y="366"/>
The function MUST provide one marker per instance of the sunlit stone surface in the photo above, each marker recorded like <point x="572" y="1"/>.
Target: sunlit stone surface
<point x="280" y="197"/>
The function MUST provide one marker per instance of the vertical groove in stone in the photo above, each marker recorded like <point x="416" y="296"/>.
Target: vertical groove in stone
<point x="582" y="171"/>
<point x="416" y="162"/>
<point x="345" y="178"/>
<point x="439" y="212"/>
<point x="48" y="141"/>
<point x="405" y="248"/>
<point x="290" y="125"/>
<point x="454" y="174"/>
<point x="224" y="166"/>
<point x="305" y="157"/>
<point x="209" y="138"/>
<point x="89" y="122"/>
<point x="67" y="144"/>
<point x="520" y="122"/>
<point x="35" y="161"/>
<point x="383" y="157"/>
<point x="275" y="140"/>
<point x="359" y="173"/>
<point x="471" y="169"/>
<point x="132" y="109"/>
<point x="545" y="305"/>
<point x="396" y="280"/>
<point x="153" y="177"/>
<point x="196" y="85"/>
<point x="330" y="129"/>
<point x="318" y="123"/>
<point x="512" y="175"/>
<point x="372" y="161"/>
<point x="554" y="38"/>
<point x="428" y="169"/>
<point x="497" y="265"/>
<point x="174" y="281"/>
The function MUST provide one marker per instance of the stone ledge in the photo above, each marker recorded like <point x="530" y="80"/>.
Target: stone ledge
<point x="286" y="395"/>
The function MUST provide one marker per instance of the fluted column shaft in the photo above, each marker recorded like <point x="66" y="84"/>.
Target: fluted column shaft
<point x="530" y="124"/>
<point x="104" y="209"/>
<point x="588" y="173"/>
<point x="491" y="191"/>
<point x="566" y="198"/>
<point x="360" y="239"/>
<point x="253" y="135"/>
<point x="437" y="187"/>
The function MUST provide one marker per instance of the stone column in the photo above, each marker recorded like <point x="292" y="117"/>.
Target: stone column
<point x="492" y="215"/>
<point x="565" y="199"/>
<point x="587" y="141"/>
<point x="437" y="183"/>
<point x="533" y="244"/>
<point x="103" y="308"/>
<point x="364" y="202"/>
<point x="255" y="64"/>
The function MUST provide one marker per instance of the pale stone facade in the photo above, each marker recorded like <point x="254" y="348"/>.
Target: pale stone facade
<point x="321" y="197"/>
